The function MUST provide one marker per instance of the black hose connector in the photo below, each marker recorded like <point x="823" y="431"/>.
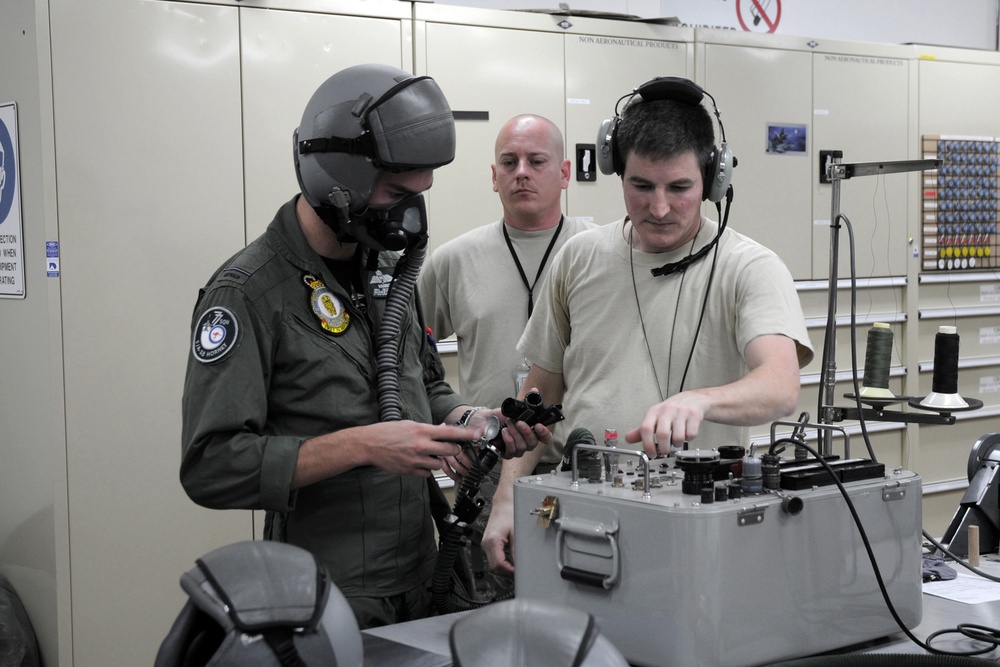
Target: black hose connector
<point x="531" y="410"/>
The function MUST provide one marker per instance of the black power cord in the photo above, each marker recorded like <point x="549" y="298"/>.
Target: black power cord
<point x="854" y="343"/>
<point x="990" y="636"/>
<point x="970" y="630"/>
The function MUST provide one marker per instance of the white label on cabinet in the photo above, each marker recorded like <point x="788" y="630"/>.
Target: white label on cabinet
<point x="989" y="293"/>
<point x="989" y="335"/>
<point x="989" y="384"/>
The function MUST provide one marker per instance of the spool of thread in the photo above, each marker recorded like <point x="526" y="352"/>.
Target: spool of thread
<point x="878" y="355"/>
<point x="944" y="389"/>
<point x="946" y="361"/>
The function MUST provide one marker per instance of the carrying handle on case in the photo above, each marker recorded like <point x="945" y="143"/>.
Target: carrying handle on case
<point x="582" y="576"/>
<point x="590" y="530"/>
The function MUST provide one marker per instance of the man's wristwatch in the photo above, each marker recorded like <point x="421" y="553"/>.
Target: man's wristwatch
<point x="467" y="415"/>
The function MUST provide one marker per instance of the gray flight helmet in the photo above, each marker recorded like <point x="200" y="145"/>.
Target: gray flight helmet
<point x="366" y="119"/>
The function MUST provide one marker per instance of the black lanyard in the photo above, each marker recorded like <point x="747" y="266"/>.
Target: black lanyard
<point x="520" y="269"/>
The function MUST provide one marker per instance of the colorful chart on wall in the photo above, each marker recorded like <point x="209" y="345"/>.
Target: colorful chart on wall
<point x="960" y="204"/>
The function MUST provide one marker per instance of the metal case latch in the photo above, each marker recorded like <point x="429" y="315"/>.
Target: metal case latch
<point x="893" y="493"/>
<point x="749" y="516"/>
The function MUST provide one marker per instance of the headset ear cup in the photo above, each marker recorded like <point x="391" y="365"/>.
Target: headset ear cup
<point x="607" y="161"/>
<point x="719" y="174"/>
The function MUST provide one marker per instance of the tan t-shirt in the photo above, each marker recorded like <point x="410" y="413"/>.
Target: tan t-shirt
<point x="470" y="286"/>
<point x="586" y="325"/>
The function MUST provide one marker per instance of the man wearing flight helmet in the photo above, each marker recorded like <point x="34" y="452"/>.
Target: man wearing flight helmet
<point x="312" y="391"/>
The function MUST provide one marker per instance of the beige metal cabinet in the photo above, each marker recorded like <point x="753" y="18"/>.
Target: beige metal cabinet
<point x="600" y="70"/>
<point x="958" y="93"/>
<point x="286" y="55"/>
<point x="862" y="106"/>
<point x="849" y="97"/>
<point x="149" y="161"/>
<point x="173" y="122"/>
<point x="500" y="64"/>
<point x="754" y="86"/>
<point x="488" y="75"/>
<point x="844" y="99"/>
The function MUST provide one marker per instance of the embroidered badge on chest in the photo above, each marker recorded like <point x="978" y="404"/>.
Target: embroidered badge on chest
<point x="380" y="282"/>
<point x="327" y="306"/>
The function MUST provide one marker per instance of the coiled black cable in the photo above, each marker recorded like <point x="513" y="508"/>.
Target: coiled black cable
<point x="467" y="507"/>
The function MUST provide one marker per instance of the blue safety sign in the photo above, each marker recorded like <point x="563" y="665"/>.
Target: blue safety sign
<point x="11" y="241"/>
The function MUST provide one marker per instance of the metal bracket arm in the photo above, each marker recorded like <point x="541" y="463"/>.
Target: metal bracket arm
<point x="839" y="414"/>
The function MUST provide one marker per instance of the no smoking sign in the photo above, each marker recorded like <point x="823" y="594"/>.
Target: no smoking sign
<point x="758" y="15"/>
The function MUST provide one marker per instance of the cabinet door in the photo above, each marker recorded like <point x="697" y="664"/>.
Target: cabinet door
<point x="495" y="74"/>
<point x="959" y="98"/>
<point x="754" y="88"/>
<point x="598" y="72"/>
<point x="861" y="105"/>
<point x="286" y="55"/>
<point x="146" y="104"/>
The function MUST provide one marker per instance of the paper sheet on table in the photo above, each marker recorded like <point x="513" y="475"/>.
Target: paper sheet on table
<point x="966" y="588"/>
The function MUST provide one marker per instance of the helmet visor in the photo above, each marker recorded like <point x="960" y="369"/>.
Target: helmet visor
<point x="412" y="127"/>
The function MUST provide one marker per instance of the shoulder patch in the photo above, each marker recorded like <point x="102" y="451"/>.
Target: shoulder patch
<point x="240" y="267"/>
<point x="215" y="335"/>
<point x="234" y="274"/>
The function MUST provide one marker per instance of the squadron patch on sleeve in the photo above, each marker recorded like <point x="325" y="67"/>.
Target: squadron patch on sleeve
<point x="215" y="335"/>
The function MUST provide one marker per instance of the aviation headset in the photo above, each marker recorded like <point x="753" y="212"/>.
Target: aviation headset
<point x="716" y="178"/>
<point x="718" y="172"/>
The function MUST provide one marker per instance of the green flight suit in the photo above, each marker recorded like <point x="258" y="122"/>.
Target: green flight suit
<point x="264" y="375"/>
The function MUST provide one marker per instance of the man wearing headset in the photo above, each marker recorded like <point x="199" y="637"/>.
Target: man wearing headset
<point x="665" y="324"/>
<point x="482" y="285"/>
<point x="312" y="391"/>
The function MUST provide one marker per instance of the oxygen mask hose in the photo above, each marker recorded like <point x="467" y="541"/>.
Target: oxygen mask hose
<point x="390" y="333"/>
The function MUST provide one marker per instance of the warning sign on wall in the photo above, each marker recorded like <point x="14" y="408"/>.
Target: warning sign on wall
<point x="758" y="15"/>
<point x="11" y="245"/>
